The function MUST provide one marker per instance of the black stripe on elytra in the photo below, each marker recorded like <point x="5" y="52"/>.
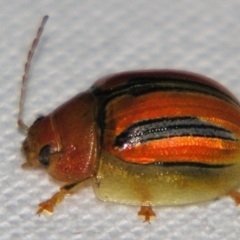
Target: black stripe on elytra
<point x="155" y="129"/>
<point x="191" y="164"/>
<point x="136" y="86"/>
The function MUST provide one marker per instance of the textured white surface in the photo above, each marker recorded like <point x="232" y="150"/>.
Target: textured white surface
<point x="83" y="41"/>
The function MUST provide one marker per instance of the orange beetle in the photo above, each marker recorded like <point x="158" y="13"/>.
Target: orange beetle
<point x="147" y="138"/>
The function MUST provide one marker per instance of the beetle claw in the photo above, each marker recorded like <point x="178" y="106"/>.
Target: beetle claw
<point x="147" y="213"/>
<point x="46" y="206"/>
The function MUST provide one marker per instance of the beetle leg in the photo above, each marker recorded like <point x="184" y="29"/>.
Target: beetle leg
<point x="58" y="197"/>
<point x="147" y="213"/>
<point x="235" y="196"/>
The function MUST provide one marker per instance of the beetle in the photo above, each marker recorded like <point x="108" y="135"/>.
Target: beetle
<point x="147" y="138"/>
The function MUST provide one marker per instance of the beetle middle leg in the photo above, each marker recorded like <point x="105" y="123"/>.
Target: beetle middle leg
<point x="147" y="213"/>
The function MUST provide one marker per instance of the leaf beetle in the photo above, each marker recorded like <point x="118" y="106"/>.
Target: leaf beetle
<point x="147" y="138"/>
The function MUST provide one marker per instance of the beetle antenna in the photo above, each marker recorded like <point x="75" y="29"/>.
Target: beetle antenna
<point x="20" y="122"/>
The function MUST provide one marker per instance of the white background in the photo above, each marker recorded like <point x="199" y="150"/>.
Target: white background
<point x="85" y="40"/>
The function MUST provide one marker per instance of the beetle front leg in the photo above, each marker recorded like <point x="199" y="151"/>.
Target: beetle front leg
<point x="58" y="197"/>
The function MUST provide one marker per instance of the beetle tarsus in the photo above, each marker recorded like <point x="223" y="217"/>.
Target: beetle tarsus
<point x="49" y="205"/>
<point x="147" y="213"/>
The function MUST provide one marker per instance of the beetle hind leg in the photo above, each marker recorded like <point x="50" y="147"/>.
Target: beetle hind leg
<point x="235" y="195"/>
<point x="147" y="213"/>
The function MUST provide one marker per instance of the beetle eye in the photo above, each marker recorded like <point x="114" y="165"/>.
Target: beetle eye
<point x="38" y="119"/>
<point x="44" y="154"/>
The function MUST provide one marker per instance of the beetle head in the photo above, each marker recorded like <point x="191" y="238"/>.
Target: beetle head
<point x="40" y="143"/>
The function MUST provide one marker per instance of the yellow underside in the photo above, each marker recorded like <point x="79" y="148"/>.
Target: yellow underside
<point x="127" y="183"/>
